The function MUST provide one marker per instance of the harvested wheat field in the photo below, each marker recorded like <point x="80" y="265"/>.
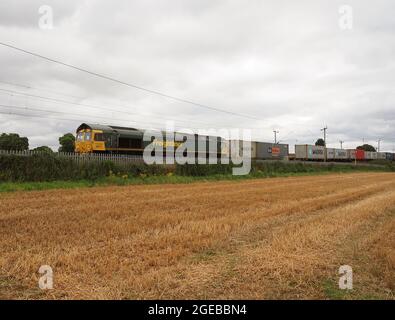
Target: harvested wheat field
<point x="274" y="238"/>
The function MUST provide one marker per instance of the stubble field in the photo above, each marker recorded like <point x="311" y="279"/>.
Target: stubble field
<point x="274" y="238"/>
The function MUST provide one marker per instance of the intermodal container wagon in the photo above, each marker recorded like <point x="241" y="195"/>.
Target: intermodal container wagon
<point x="309" y="152"/>
<point x="271" y="151"/>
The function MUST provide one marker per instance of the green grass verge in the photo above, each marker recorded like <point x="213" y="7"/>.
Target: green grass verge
<point x="168" y="179"/>
<point x="333" y="292"/>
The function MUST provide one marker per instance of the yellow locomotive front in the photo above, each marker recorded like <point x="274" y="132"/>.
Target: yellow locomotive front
<point x="88" y="141"/>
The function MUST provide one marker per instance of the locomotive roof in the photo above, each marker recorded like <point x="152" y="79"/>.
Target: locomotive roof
<point x="105" y="128"/>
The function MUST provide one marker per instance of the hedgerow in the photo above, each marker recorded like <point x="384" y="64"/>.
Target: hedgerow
<point x="47" y="167"/>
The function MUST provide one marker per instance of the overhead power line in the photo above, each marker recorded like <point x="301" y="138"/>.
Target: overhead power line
<point x="56" y="100"/>
<point x="82" y="117"/>
<point x="152" y="125"/>
<point x="165" y="95"/>
<point x="29" y="87"/>
<point x="12" y="92"/>
<point x="59" y="112"/>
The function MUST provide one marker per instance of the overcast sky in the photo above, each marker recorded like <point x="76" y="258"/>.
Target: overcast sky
<point x="288" y="65"/>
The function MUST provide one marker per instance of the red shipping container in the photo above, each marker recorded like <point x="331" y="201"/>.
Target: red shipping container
<point x="360" y="154"/>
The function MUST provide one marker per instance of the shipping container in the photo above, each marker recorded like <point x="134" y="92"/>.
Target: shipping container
<point x="316" y="152"/>
<point x="309" y="152"/>
<point x="271" y="151"/>
<point x="389" y="156"/>
<point x="253" y="149"/>
<point x="225" y="148"/>
<point x="237" y="148"/>
<point x="341" y="154"/>
<point x="301" y="152"/>
<point x="330" y="153"/>
<point x="381" y="155"/>
<point x="351" y="154"/>
<point x="370" y="155"/>
<point x="360" y="154"/>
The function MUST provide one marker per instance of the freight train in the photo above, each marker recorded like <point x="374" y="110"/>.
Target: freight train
<point x="320" y="153"/>
<point x="96" y="138"/>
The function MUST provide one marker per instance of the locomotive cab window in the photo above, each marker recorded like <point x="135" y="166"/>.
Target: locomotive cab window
<point x="80" y="136"/>
<point x="88" y="136"/>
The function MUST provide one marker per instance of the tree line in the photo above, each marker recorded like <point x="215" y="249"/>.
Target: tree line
<point x="14" y="142"/>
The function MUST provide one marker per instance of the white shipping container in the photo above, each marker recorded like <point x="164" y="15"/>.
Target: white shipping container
<point x="369" y="155"/>
<point x="301" y="151"/>
<point x="309" y="152"/>
<point x="341" y="154"/>
<point x="351" y="154"/>
<point x="316" y="152"/>
<point x="381" y="155"/>
<point x="330" y="153"/>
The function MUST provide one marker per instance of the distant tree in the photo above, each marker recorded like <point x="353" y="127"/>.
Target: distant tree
<point x="43" y="149"/>
<point x="320" y="142"/>
<point x="13" y="141"/>
<point x="67" y="143"/>
<point x="367" y="147"/>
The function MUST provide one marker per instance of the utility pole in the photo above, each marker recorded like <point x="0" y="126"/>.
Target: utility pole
<point x="341" y="144"/>
<point x="378" y="145"/>
<point x="275" y="136"/>
<point x="324" y="129"/>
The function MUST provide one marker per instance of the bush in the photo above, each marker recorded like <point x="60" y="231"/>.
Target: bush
<point x="281" y="167"/>
<point x="199" y="170"/>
